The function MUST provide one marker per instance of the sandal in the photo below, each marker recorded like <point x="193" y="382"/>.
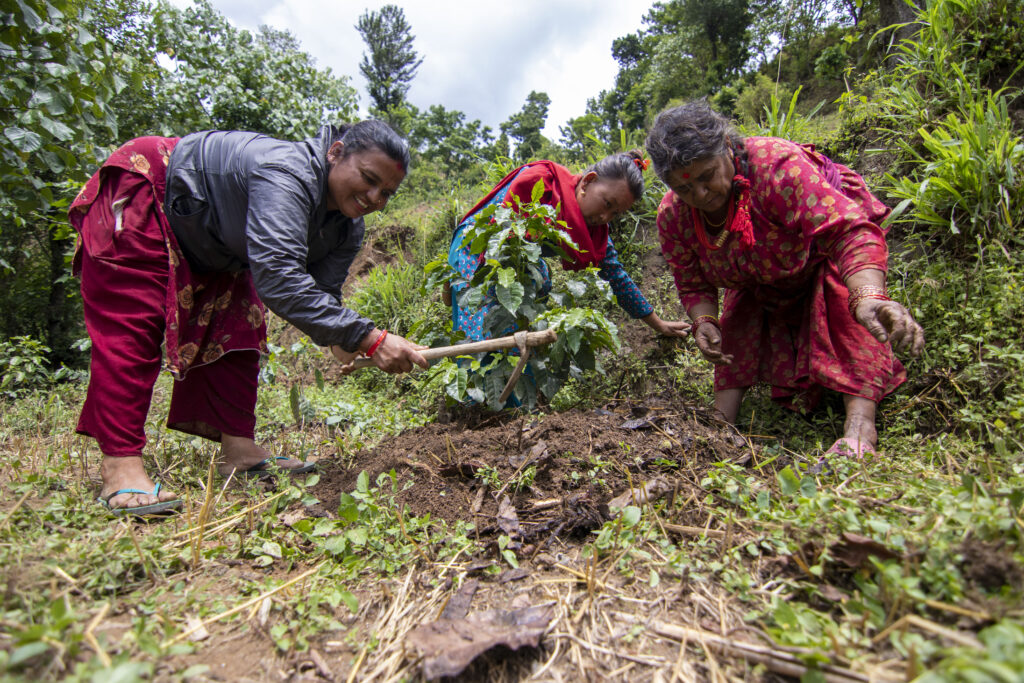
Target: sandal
<point x="164" y="507"/>
<point x="262" y="468"/>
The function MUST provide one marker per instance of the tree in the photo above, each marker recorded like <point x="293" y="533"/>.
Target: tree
<point x="80" y="76"/>
<point x="525" y="127"/>
<point x="687" y="49"/>
<point x="58" y="81"/>
<point x="391" y="63"/>
<point x="229" y="78"/>
<point x="444" y="138"/>
<point x="577" y="136"/>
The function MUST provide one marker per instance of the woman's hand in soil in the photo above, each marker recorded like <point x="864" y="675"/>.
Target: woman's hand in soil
<point x="889" y="321"/>
<point x="709" y="342"/>
<point x="668" y="328"/>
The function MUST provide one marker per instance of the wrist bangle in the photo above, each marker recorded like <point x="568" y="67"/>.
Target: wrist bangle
<point x="375" y="345"/>
<point x="700" y="320"/>
<point x="860" y="294"/>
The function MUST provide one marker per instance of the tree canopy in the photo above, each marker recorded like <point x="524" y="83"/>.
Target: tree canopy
<point x="390" y="62"/>
<point x="525" y="126"/>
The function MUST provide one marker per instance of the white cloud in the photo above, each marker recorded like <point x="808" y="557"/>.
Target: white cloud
<point x="481" y="57"/>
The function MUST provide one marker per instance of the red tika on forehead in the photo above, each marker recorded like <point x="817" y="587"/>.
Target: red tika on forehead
<point x="398" y="165"/>
<point x="686" y="175"/>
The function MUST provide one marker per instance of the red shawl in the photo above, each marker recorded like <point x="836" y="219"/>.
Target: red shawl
<point x="559" y="190"/>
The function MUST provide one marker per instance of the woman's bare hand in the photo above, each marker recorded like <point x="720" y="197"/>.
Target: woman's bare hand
<point x="668" y="328"/>
<point x="709" y="342"/>
<point x="890" y="321"/>
<point x="394" y="355"/>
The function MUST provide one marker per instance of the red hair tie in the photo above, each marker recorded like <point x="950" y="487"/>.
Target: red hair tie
<point x="642" y="164"/>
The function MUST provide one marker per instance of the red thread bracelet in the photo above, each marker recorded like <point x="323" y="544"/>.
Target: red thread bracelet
<point x="375" y="345"/>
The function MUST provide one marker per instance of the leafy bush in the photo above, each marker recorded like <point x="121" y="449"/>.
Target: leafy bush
<point x="1001" y="658"/>
<point x="968" y="178"/>
<point x="786" y="124"/>
<point x="391" y="297"/>
<point x="972" y="374"/>
<point x="514" y="241"/>
<point x="22" y="366"/>
<point x="756" y="99"/>
<point x="831" y="63"/>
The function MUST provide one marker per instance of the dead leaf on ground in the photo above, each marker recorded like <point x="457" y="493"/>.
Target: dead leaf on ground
<point x="853" y="550"/>
<point x="458" y="605"/>
<point x="448" y="646"/>
<point x="199" y="633"/>
<point x="640" y="423"/>
<point x="513" y="575"/>
<point x="650" y="491"/>
<point x="831" y="593"/>
<point x="290" y="517"/>
<point x="478" y="500"/>
<point x="508" y="519"/>
<point x="537" y="452"/>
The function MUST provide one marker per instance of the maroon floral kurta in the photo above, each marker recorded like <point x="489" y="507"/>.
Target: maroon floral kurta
<point x="784" y="316"/>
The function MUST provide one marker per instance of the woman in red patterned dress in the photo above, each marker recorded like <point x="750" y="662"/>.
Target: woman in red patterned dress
<point x="795" y="241"/>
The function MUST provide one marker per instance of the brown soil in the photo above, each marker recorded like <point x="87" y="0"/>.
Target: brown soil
<point x="579" y="460"/>
<point x="991" y="565"/>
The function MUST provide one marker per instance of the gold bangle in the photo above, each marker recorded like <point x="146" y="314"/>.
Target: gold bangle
<point x="700" y="320"/>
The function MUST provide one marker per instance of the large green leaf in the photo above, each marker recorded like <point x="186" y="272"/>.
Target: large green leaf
<point x="510" y="297"/>
<point x="56" y="128"/>
<point x="23" y="140"/>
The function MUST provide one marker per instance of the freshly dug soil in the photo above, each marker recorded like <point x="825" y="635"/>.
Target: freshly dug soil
<point x="558" y="471"/>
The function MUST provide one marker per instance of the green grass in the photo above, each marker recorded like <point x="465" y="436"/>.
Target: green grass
<point x="928" y="499"/>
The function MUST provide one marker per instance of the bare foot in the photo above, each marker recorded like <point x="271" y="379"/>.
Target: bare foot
<point x="129" y="473"/>
<point x="859" y="429"/>
<point x="239" y="453"/>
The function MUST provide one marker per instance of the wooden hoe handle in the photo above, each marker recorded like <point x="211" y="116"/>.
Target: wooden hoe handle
<point x="499" y="344"/>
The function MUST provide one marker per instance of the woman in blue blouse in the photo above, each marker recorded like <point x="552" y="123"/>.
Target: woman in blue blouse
<point x="586" y="204"/>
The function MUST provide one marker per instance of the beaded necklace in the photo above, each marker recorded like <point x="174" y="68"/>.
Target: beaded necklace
<point x="699" y="221"/>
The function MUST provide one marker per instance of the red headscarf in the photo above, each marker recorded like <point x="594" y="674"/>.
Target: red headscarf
<point x="559" y="190"/>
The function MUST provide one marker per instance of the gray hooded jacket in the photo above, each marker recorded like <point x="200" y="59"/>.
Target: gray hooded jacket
<point x="239" y="200"/>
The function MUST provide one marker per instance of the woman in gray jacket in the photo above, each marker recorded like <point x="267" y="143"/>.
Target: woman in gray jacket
<point x="182" y="243"/>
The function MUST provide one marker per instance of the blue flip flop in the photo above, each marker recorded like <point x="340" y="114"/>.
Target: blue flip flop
<point x="165" y="507"/>
<point x="262" y="468"/>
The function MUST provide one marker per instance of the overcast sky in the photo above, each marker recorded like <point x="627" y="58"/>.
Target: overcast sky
<point x="481" y="57"/>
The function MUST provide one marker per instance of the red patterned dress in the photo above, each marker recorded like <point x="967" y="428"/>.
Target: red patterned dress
<point x="784" y="315"/>
<point x="139" y="295"/>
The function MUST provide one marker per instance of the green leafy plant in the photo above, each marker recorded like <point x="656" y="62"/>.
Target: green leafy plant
<point x="390" y="297"/>
<point x="969" y="178"/>
<point x="22" y="366"/>
<point x="513" y="277"/>
<point x="786" y="123"/>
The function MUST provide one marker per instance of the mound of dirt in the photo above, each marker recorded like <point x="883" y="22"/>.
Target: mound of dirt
<point x="542" y="475"/>
<point x="991" y="565"/>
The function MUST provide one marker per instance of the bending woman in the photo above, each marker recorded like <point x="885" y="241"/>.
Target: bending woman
<point x="795" y="241"/>
<point x="586" y="203"/>
<point x="182" y="242"/>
